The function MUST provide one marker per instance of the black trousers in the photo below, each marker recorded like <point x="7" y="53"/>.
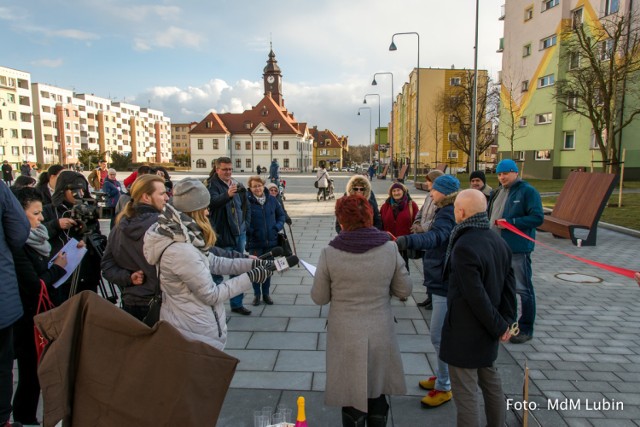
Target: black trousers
<point x="6" y="373"/>
<point x="137" y="311"/>
<point x="25" y="400"/>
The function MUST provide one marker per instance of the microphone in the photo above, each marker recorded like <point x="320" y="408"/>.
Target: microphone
<point x="275" y="252"/>
<point x="291" y="262"/>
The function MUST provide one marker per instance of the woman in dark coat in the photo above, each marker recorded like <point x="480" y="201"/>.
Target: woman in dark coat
<point x="398" y="213"/>
<point x="62" y="228"/>
<point x="31" y="262"/>
<point x="267" y="220"/>
<point x="47" y="182"/>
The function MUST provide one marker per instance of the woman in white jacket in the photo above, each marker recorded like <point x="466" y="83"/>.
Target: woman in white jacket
<point x="179" y="245"/>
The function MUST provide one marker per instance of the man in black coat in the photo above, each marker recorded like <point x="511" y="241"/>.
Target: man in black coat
<point x="481" y="305"/>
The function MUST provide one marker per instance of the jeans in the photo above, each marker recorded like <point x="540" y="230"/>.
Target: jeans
<point x="261" y="289"/>
<point x="6" y="373"/>
<point x="439" y="312"/>
<point x="465" y="395"/>
<point x="521" y="264"/>
<point x="241" y="241"/>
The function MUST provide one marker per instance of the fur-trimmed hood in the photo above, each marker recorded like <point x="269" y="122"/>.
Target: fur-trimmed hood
<point x="448" y="200"/>
<point x="360" y="180"/>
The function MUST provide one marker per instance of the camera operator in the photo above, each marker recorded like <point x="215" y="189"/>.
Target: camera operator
<point x="70" y="199"/>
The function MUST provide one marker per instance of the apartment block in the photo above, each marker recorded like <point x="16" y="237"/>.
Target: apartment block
<point x="180" y="139"/>
<point x="16" y="120"/>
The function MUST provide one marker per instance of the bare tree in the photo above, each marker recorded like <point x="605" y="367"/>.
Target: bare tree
<point x="456" y="104"/>
<point x="511" y="112"/>
<point x="437" y="128"/>
<point x="602" y="60"/>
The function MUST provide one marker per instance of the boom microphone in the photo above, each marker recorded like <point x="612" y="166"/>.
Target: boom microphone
<point x="275" y="252"/>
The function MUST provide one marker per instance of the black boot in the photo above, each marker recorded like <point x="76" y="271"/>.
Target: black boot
<point x="378" y="412"/>
<point x="353" y="418"/>
<point x="376" y="421"/>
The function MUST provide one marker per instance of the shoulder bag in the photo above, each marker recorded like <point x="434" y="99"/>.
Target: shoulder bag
<point x="44" y="304"/>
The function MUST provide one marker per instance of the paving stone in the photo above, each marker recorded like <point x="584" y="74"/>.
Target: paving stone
<point x="254" y="360"/>
<point x="303" y="361"/>
<point x="283" y="341"/>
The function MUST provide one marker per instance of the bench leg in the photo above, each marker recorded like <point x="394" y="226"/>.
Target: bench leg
<point x="591" y="237"/>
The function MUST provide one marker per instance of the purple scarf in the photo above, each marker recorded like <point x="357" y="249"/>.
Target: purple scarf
<point x="359" y="241"/>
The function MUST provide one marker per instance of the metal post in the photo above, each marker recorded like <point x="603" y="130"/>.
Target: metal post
<point x="370" y="142"/>
<point x="474" y="101"/>
<point x="364" y="102"/>
<point x="374" y="83"/>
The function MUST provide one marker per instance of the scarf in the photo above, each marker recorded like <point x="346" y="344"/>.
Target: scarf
<point x="262" y="199"/>
<point x="398" y="205"/>
<point x="359" y="241"/>
<point x="180" y="227"/>
<point x="39" y="240"/>
<point x="479" y="220"/>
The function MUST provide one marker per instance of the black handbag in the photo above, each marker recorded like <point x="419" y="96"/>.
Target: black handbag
<point x="283" y="242"/>
<point x="153" y="315"/>
<point x="315" y="184"/>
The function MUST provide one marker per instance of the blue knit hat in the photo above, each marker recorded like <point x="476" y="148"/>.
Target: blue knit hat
<point x="446" y="184"/>
<point x="507" y="165"/>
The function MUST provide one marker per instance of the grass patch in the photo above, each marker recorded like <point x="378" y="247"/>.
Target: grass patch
<point x="625" y="216"/>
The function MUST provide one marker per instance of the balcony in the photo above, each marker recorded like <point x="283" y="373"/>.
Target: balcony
<point x="501" y="47"/>
<point x="502" y="13"/>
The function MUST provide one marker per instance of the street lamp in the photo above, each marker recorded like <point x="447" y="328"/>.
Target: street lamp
<point x="364" y="102"/>
<point x="393" y="47"/>
<point x="474" y="101"/>
<point x="374" y="83"/>
<point x="370" y="145"/>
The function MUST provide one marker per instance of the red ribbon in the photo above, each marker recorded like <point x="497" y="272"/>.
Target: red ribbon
<point x="617" y="270"/>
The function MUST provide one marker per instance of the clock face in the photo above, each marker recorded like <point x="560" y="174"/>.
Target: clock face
<point x="271" y="79"/>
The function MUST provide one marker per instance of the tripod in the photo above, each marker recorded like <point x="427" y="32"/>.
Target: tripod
<point x="94" y="241"/>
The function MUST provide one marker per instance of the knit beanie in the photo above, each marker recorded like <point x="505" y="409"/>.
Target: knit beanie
<point x="190" y="195"/>
<point x="397" y="185"/>
<point x="446" y="184"/>
<point x="507" y="165"/>
<point x="478" y="174"/>
<point x="433" y="174"/>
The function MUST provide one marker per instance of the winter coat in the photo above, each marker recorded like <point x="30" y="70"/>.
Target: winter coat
<point x="7" y="172"/>
<point x="25" y="169"/>
<point x="94" y="179"/>
<point x="112" y="189"/>
<point x="266" y="221"/>
<point x="481" y="302"/>
<point x="401" y="225"/>
<point x="434" y="244"/>
<point x="323" y="178"/>
<point x="223" y="212"/>
<point x="14" y="231"/>
<point x="124" y="255"/>
<point x="44" y="191"/>
<point x="274" y="171"/>
<point x="369" y="195"/>
<point x="523" y="209"/>
<point x="192" y="302"/>
<point x="363" y="356"/>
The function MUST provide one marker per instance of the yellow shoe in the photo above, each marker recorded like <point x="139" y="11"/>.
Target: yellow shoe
<point x="436" y="398"/>
<point x="429" y="384"/>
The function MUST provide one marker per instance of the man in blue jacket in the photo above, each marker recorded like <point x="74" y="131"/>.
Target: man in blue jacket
<point x="14" y="231"/>
<point x="519" y="204"/>
<point x="274" y="171"/>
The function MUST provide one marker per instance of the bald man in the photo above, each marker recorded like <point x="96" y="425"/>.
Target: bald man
<point x="481" y="307"/>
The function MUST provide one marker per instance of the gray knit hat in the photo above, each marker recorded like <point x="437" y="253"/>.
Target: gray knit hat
<point x="190" y="195"/>
<point x="433" y="174"/>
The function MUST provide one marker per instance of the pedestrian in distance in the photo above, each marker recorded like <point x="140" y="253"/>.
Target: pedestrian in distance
<point x="482" y="306"/>
<point x="363" y="355"/>
<point x="434" y="242"/>
<point x="322" y="178"/>
<point x="519" y="204"/>
<point x="14" y="232"/>
<point x="98" y="175"/>
<point x="25" y="168"/>
<point x="179" y="245"/>
<point x="7" y="172"/>
<point x="274" y="171"/>
<point x="32" y="267"/>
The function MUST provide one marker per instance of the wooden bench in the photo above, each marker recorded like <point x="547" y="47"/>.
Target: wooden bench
<point x="403" y="173"/>
<point x="580" y="205"/>
<point x="383" y="175"/>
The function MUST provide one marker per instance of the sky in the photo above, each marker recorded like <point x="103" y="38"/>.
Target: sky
<point x="189" y="57"/>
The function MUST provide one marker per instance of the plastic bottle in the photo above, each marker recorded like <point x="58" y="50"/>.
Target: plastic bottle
<point x="301" y="420"/>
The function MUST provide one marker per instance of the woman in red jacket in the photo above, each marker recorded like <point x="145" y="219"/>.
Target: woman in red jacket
<point x="398" y="213"/>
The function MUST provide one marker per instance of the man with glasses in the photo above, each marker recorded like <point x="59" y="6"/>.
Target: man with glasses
<point x="359" y="184"/>
<point x="229" y="216"/>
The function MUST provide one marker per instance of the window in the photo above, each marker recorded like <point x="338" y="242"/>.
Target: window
<point x="574" y="60"/>
<point x="548" y="42"/>
<point x="454" y="81"/>
<point x="606" y="49"/>
<point x="593" y="144"/>
<point x="611" y="6"/>
<point x="285" y="145"/>
<point x="257" y="145"/>
<point x="452" y="154"/>
<point x="248" y="163"/>
<point x="13" y="116"/>
<point x="15" y="151"/>
<point x="576" y="18"/>
<point x="523" y="121"/>
<point x="548" y="4"/>
<point x="275" y="145"/>
<point x="547" y="80"/>
<point x="528" y="14"/>
<point x="526" y="50"/>
<point x="265" y="145"/>
<point x="238" y="145"/>
<point x="285" y="163"/>
<point x="201" y="146"/>
<point x="247" y="145"/>
<point x="544" y="118"/>
<point x="201" y="164"/>
<point x="572" y="102"/>
<point x="543" y="155"/>
<point x="569" y="140"/>
<point x="11" y="98"/>
<point x="525" y="85"/>
<point x="215" y="144"/>
<point x="520" y="156"/>
<point x="452" y="137"/>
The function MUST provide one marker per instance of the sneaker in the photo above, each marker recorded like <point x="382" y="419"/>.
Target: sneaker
<point x="520" y="338"/>
<point x="241" y="310"/>
<point x="267" y="300"/>
<point x="429" y="384"/>
<point x="436" y="398"/>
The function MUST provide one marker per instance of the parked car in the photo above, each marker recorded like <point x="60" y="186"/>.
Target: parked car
<point x="334" y="169"/>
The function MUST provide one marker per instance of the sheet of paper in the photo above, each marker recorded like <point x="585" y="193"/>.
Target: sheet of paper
<point x="74" y="257"/>
<point x="310" y="268"/>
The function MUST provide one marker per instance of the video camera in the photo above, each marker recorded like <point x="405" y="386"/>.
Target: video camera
<point x="85" y="210"/>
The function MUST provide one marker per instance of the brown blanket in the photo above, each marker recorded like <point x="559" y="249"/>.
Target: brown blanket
<point x="103" y="367"/>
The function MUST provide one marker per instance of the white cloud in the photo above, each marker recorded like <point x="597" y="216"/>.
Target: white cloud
<point x="48" y="63"/>
<point x="11" y="14"/>
<point x="71" y="33"/>
<point x="172" y="37"/>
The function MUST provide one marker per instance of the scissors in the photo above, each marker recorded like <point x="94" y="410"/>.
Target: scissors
<point x="514" y="329"/>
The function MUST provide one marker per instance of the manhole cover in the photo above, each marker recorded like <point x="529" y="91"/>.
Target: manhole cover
<point x="578" y="278"/>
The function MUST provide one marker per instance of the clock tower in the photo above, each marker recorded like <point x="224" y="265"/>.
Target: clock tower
<point x="272" y="78"/>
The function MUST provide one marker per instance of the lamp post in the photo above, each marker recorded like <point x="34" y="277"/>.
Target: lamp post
<point x="370" y="144"/>
<point x="474" y="101"/>
<point x="364" y="102"/>
<point x="374" y="83"/>
<point x="392" y="47"/>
